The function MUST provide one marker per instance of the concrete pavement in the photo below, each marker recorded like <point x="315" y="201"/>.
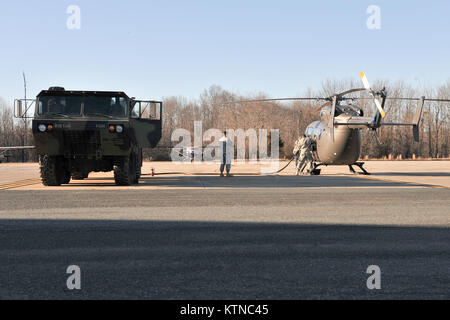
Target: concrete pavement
<point x="198" y="236"/>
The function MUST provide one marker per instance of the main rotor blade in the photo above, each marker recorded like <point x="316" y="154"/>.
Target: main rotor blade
<point x="279" y="99"/>
<point x="367" y="86"/>
<point x="324" y="105"/>
<point x="340" y="97"/>
<point x="419" y="99"/>
<point x="407" y="99"/>
<point x="351" y="91"/>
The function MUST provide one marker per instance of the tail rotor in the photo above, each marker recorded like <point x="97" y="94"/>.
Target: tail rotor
<point x="379" y="105"/>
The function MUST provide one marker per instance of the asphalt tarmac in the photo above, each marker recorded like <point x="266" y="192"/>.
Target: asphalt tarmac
<point x="181" y="236"/>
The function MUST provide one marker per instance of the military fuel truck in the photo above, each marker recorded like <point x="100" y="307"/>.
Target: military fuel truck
<point x="79" y="132"/>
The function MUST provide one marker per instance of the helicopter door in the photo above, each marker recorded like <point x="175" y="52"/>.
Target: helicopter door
<point x="146" y="122"/>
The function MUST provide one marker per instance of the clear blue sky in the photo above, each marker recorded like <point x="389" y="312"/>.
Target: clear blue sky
<point x="152" y="49"/>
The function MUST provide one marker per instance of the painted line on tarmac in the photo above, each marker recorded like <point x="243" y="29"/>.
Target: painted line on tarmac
<point x="19" y="184"/>
<point x="414" y="184"/>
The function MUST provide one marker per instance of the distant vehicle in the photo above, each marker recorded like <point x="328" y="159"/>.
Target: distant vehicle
<point x="5" y="152"/>
<point x="337" y="135"/>
<point x="78" y="132"/>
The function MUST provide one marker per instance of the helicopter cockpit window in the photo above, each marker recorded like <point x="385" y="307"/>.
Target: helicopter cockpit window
<point x="309" y="131"/>
<point x="320" y="132"/>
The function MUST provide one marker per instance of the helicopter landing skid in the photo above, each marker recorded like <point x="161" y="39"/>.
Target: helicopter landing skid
<point x="359" y="165"/>
<point x="315" y="171"/>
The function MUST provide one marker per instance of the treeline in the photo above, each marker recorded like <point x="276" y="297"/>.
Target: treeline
<point x="292" y="118"/>
<point x="13" y="133"/>
<point x="213" y="109"/>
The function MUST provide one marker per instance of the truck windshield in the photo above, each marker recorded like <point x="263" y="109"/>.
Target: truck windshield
<point x="88" y="106"/>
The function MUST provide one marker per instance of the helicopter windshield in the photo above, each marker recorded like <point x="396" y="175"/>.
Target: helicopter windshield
<point x="324" y="112"/>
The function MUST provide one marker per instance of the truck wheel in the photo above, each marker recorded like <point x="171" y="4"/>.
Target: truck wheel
<point x="138" y="174"/>
<point x="50" y="173"/>
<point x="138" y="166"/>
<point x="125" y="172"/>
<point x="137" y="169"/>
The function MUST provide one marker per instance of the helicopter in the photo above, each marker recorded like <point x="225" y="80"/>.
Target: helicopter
<point x="337" y="135"/>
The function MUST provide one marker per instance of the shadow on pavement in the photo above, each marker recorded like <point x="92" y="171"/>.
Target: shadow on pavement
<point x="247" y="182"/>
<point x="207" y="260"/>
<point x="413" y="174"/>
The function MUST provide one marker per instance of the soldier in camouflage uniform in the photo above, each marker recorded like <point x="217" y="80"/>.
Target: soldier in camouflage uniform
<point x="296" y="151"/>
<point x="303" y="154"/>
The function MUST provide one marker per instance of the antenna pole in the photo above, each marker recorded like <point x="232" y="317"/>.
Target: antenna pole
<point x="25" y="119"/>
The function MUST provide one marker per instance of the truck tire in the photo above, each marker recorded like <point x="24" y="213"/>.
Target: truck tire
<point x="138" y="166"/>
<point x="138" y="173"/>
<point x="125" y="171"/>
<point x="50" y="173"/>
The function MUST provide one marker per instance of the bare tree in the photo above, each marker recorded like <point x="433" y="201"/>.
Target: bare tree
<point x="214" y="110"/>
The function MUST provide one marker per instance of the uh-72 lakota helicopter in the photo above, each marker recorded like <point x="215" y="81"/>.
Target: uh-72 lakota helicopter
<point x="337" y="135"/>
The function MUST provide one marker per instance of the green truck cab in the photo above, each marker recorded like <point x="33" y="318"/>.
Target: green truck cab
<point x="78" y="132"/>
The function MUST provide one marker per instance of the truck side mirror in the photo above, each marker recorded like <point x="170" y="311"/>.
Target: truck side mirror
<point x="19" y="108"/>
<point x="155" y="108"/>
<point x="22" y="106"/>
<point x="153" y="112"/>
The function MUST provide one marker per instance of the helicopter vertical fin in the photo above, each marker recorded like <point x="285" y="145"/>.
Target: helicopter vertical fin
<point x="417" y="118"/>
<point x="419" y="111"/>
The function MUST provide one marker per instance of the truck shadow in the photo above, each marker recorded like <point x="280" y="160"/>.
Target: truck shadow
<point x="174" y="180"/>
<point x="264" y="182"/>
<point x="183" y="181"/>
